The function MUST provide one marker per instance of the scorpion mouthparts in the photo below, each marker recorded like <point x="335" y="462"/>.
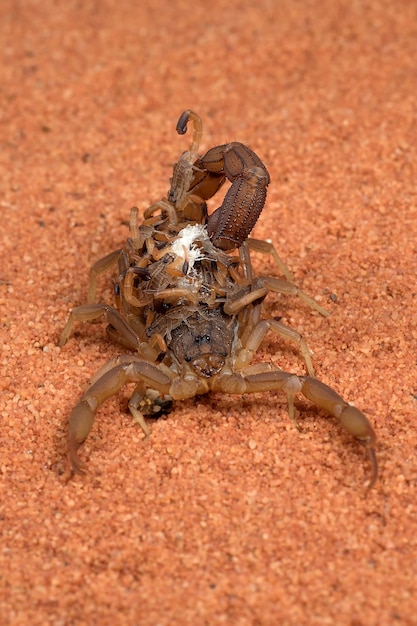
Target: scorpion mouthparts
<point x="208" y="365"/>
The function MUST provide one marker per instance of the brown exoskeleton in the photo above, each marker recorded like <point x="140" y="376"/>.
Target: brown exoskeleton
<point x="189" y="310"/>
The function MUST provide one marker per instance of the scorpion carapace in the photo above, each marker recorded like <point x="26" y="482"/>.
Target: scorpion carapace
<point x="189" y="308"/>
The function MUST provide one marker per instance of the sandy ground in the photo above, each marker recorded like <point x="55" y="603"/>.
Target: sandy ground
<point x="227" y="514"/>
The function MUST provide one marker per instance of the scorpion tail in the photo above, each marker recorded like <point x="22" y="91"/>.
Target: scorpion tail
<point x="181" y="128"/>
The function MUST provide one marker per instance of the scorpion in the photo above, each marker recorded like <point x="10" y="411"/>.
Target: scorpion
<point x="188" y="305"/>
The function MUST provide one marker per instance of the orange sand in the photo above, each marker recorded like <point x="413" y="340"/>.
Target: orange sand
<point x="227" y="514"/>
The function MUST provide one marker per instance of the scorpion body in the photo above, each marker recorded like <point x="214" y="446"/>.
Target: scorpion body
<point x="189" y="310"/>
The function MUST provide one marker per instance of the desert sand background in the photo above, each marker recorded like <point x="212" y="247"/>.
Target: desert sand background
<point x="227" y="514"/>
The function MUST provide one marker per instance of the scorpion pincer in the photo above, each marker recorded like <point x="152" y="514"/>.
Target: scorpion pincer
<point x="189" y="311"/>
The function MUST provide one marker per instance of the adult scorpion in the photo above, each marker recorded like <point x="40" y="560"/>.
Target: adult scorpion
<point x="189" y="310"/>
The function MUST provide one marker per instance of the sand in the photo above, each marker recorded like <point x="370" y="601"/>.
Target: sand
<point x="226" y="514"/>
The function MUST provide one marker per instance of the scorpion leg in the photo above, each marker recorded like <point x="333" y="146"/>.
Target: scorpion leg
<point x="82" y="416"/>
<point x="252" y="341"/>
<point x="177" y="293"/>
<point x="278" y="285"/>
<point x="232" y="307"/>
<point x="353" y="420"/>
<point x="265" y="247"/>
<point x="139" y="234"/>
<point x="257" y="335"/>
<point x="99" y="267"/>
<point x="90" y="312"/>
<point x="128" y="278"/>
<point x="271" y="283"/>
<point x="134" y="226"/>
<point x="166" y="208"/>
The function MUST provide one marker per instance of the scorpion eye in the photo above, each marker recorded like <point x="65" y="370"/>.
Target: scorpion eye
<point x="202" y="339"/>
